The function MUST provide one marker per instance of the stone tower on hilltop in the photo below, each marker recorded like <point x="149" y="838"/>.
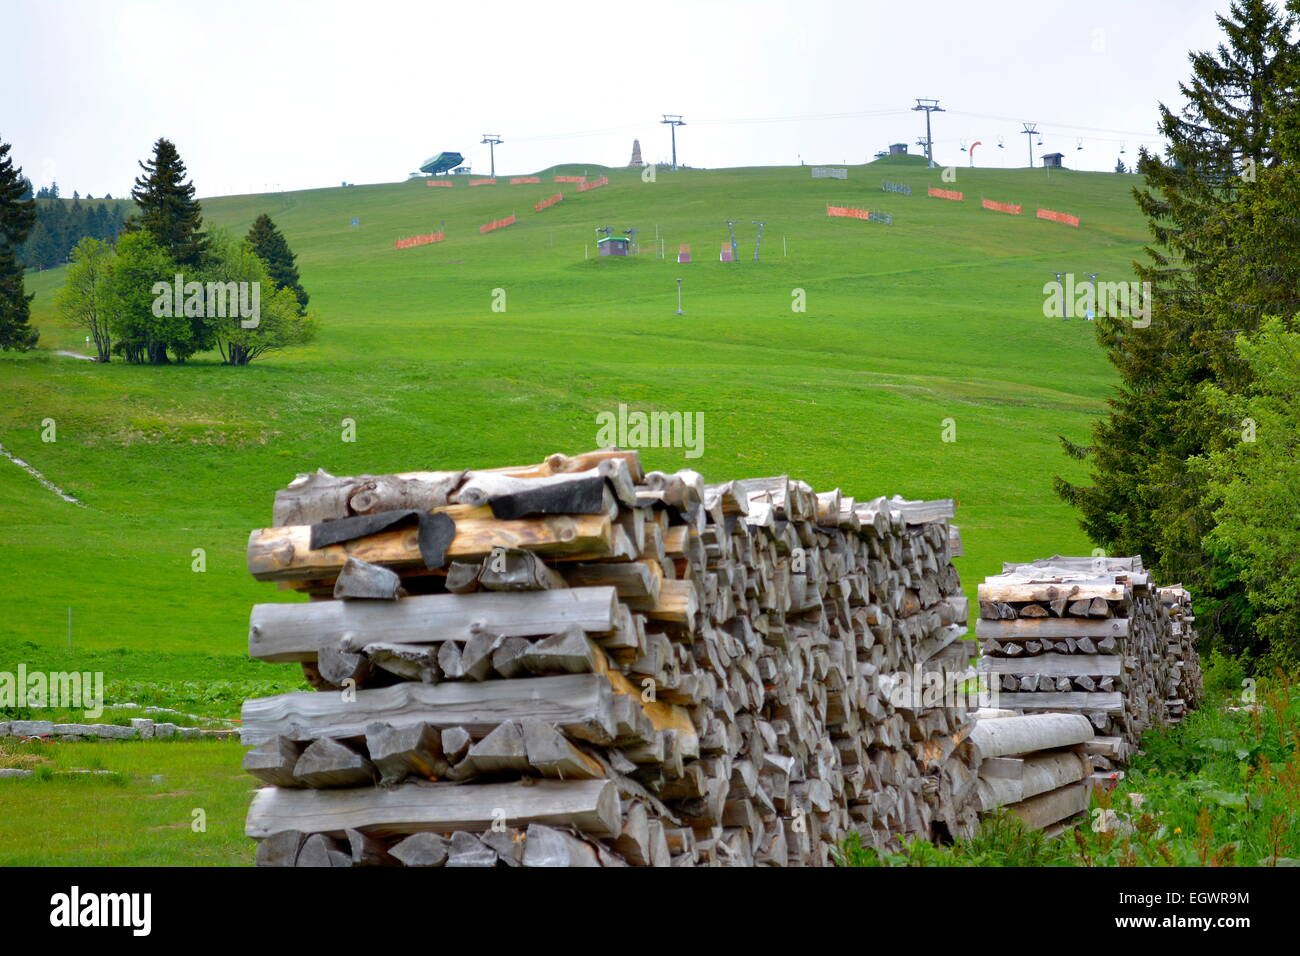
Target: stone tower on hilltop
<point x="636" y="153"/>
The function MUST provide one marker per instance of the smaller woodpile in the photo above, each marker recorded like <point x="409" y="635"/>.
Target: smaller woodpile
<point x="1091" y="636"/>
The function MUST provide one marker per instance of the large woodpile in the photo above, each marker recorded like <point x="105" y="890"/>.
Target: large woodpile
<point x="1091" y="636"/>
<point x="578" y="663"/>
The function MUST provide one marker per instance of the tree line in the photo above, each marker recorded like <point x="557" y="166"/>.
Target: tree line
<point x="1196" y="464"/>
<point x="61" y="224"/>
<point x="156" y="287"/>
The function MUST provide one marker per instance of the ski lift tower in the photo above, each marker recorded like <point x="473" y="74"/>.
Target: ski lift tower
<point x="928" y="107"/>
<point x="673" y="120"/>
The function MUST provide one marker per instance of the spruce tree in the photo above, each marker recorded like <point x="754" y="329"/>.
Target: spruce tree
<point x="168" y="209"/>
<point x="17" y="215"/>
<point x="1145" y="499"/>
<point x="270" y="245"/>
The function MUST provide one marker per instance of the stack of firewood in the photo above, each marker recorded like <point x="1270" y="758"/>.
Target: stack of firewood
<point x="1185" y="686"/>
<point x="1091" y="636"/>
<point x="1036" y="766"/>
<point x="579" y="663"/>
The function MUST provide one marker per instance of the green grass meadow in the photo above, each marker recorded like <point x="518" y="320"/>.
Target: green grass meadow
<point x="938" y="316"/>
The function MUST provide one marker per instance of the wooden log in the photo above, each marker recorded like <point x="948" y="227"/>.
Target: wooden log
<point x="296" y="632"/>
<point x="1029" y="629"/>
<point x="579" y="704"/>
<point x="273" y="761"/>
<point x="1041" y="773"/>
<point x="361" y="579"/>
<point x="411" y="661"/>
<point x="1055" y="665"/>
<point x="513" y="569"/>
<point x="326" y="762"/>
<point x="367" y="851"/>
<point x="462" y="577"/>
<point x="552" y="755"/>
<point x="508" y="844"/>
<point x="456" y="742"/>
<point x="280" y="848"/>
<point x="319" y="849"/>
<point x="313" y="498"/>
<point x="400" y="752"/>
<point x="422" y="849"/>
<point x="337" y="666"/>
<point x="1048" y="808"/>
<point x="286" y="554"/>
<point x="1073" y="700"/>
<point x="547" y="846"/>
<point x="568" y="652"/>
<point x="589" y="805"/>
<point x="635" y="581"/>
<point x="501" y="751"/>
<point x="467" y="849"/>
<point x="1005" y="736"/>
<point x="997" y="589"/>
<point x="507" y="659"/>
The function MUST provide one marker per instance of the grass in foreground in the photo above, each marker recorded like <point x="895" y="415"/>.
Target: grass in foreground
<point x="144" y="814"/>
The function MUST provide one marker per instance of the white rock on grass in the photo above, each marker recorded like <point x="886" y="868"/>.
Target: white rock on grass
<point x="144" y="725"/>
<point x="165" y="730"/>
<point x="14" y="772"/>
<point x="4" y="728"/>
<point x="74" y="730"/>
<point x="115" y="731"/>
<point x="31" y="728"/>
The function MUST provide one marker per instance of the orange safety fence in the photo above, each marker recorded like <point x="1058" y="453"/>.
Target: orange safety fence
<point x="482" y="182"/>
<point x="1064" y="217"/>
<point x="848" y="211"/>
<point x="1002" y="207"/>
<point x="570" y="179"/>
<point x="594" y="184"/>
<point x="548" y="202"/>
<point x="423" y="240"/>
<point x="437" y="182"/>
<point x="945" y="194"/>
<point x="496" y="224"/>
<point x="516" y="180"/>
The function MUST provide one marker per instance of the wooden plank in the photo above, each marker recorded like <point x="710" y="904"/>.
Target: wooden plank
<point x="421" y="806"/>
<point x="1004" y="736"/>
<point x="285" y="554"/>
<point x="1048" y="808"/>
<point x="1019" y="591"/>
<point x="1041" y="773"/>
<point x="1028" y="629"/>
<point x="1055" y="665"/>
<point x="296" y="632"/>
<point x="1112" y="703"/>
<point x="578" y="704"/>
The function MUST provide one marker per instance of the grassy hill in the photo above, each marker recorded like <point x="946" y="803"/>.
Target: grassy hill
<point x="937" y="316"/>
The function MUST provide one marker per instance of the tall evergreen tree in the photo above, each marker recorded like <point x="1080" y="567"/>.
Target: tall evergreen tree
<point x="168" y="209"/>
<point x="1144" y="498"/>
<point x="17" y="216"/>
<point x="170" y="213"/>
<point x="270" y="245"/>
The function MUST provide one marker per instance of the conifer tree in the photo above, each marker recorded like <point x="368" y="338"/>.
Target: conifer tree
<point x="270" y="245"/>
<point x="168" y="209"/>
<point x="17" y="216"/>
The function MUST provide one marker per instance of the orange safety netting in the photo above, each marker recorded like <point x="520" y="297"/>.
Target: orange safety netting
<point x="496" y="224"/>
<point x="423" y="240"/>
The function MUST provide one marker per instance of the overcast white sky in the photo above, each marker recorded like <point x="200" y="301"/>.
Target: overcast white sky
<point x="263" y="95"/>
